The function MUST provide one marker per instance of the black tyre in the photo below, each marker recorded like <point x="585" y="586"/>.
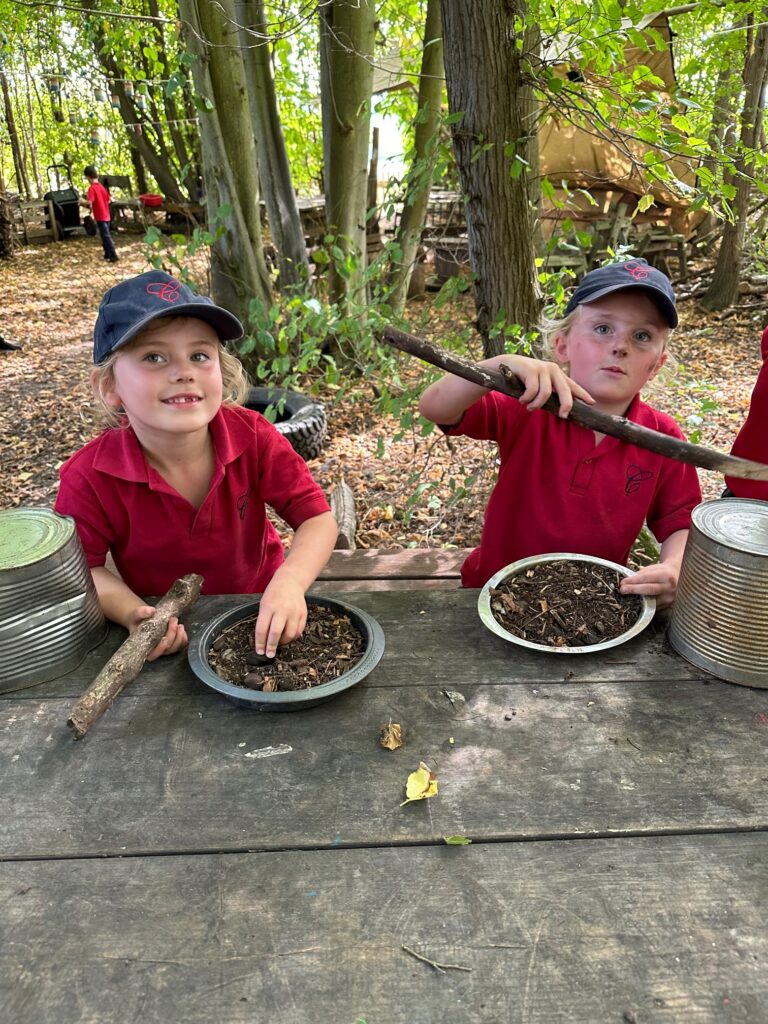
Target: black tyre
<point x="300" y="419"/>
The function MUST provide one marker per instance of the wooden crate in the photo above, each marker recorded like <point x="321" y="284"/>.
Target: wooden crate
<point x="34" y="221"/>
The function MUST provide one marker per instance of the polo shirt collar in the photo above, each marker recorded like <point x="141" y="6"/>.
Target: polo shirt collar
<point x="120" y="454"/>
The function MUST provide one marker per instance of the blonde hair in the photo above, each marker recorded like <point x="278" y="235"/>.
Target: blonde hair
<point x="235" y="381"/>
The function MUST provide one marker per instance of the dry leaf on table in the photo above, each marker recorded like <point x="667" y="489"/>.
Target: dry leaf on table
<point x="391" y="736"/>
<point x="421" y="784"/>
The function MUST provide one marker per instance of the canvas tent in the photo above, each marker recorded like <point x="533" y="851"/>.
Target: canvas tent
<point x="586" y="160"/>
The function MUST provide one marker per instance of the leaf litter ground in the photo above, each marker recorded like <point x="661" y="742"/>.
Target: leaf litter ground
<point x="50" y="295"/>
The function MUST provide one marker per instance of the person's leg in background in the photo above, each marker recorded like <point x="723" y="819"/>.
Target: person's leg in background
<point x="106" y="240"/>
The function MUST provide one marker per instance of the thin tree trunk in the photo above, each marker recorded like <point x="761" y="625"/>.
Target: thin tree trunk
<point x="31" y="117"/>
<point x="238" y="270"/>
<point x="346" y="39"/>
<point x="725" y="93"/>
<point x="7" y="239"/>
<point x="486" y="80"/>
<point x="419" y="180"/>
<point x="22" y="181"/>
<point x="724" y="287"/>
<point x="171" y="111"/>
<point x="274" y="170"/>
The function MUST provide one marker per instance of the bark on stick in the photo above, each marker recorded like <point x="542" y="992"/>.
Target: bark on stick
<point x="127" y="661"/>
<point x="616" y="426"/>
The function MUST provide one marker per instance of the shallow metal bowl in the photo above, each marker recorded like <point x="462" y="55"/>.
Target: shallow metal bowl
<point x="289" y="700"/>
<point x="488" y="619"/>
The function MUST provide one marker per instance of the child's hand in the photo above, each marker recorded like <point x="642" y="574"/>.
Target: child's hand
<point x="282" y="613"/>
<point x="541" y="378"/>
<point x="659" y="581"/>
<point x="175" y="638"/>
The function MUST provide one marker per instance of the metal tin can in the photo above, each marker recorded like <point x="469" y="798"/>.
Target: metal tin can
<point x="720" y="616"/>
<point x="49" y="612"/>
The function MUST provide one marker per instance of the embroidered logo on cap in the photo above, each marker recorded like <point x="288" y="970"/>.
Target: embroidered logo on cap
<point x="638" y="271"/>
<point x="168" y="291"/>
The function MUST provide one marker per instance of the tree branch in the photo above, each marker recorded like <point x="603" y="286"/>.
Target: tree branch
<point x="127" y="661"/>
<point x="581" y="413"/>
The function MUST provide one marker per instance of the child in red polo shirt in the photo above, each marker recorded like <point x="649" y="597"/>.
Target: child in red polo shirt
<point x="179" y="481"/>
<point x="97" y="200"/>
<point x="562" y="487"/>
<point x="752" y="440"/>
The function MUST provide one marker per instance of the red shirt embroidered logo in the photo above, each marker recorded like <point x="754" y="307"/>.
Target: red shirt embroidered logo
<point x="638" y="271"/>
<point x="167" y="291"/>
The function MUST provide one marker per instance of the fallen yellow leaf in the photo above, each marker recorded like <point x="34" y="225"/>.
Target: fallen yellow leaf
<point x="421" y="784"/>
<point x="391" y="736"/>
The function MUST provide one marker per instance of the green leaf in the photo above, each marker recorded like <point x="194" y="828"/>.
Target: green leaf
<point x="457" y="841"/>
<point x="644" y="202"/>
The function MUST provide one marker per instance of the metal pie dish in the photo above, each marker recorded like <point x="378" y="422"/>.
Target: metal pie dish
<point x="289" y="700"/>
<point x="488" y="619"/>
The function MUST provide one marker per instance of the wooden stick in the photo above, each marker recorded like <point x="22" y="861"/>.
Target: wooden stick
<point x="127" y="661"/>
<point x="442" y="968"/>
<point x="616" y="426"/>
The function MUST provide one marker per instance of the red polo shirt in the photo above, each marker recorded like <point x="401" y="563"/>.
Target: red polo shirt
<point x="752" y="439"/>
<point x="121" y="504"/>
<point x="559" y="491"/>
<point x="98" y="197"/>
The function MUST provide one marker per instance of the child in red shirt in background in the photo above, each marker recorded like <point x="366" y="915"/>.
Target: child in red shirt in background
<point x="179" y="481"/>
<point x="97" y="199"/>
<point x="752" y="440"/>
<point x="562" y="487"/>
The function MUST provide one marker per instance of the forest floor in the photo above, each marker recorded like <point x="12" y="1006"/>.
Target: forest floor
<point x="405" y="490"/>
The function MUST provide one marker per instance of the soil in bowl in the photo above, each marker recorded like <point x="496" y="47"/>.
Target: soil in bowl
<point x="565" y="604"/>
<point x="329" y="646"/>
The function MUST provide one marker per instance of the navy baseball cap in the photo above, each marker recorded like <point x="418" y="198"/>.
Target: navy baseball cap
<point x="629" y="274"/>
<point x="132" y="305"/>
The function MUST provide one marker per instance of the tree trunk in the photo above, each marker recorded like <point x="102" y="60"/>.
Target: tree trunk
<point x="274" y="170"/>
<point x="7" y="240"/>
<point x="238" y="270"/>
<point x="172" y="115"/>
<point x="141" y="174"/>
<point x="723" y="115"/>
<point x="724" y="288"/>
<point x="346" y="47"/>
<point x="485" y="76"/>
<point x="156" y="164"/>
<point x="22" y="181"/>
<point x="419" y="179"/>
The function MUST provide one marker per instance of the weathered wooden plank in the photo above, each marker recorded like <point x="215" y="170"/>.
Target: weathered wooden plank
<point x="197" y="773"/>
<point x="649" y="930"/>
<point x="412" y="563"/>
<point x="432" y="636"/>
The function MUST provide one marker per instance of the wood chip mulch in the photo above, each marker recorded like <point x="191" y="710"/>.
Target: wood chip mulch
<point x="329" y="646"/>
<point x="565" y="604"/>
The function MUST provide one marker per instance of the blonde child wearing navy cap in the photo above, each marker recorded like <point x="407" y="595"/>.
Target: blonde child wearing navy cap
<point x="179" y="480"/>
<point x="562" y="487"/>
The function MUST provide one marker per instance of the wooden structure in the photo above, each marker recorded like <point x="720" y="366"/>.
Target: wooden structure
<point x="191" y="860"/>
<point x="34" y="220"/>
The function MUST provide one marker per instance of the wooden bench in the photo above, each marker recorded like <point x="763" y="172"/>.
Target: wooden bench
<point x="410" y="569"/>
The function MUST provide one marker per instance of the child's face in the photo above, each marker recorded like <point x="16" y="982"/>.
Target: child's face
<point x="168" y="379"/>
<point x="616" y="345"/>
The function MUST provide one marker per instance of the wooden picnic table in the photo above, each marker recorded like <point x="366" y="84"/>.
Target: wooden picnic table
<point x="191" y="860"/>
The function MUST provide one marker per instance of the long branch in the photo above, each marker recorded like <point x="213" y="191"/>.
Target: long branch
<point x="127" y="661"/>
<point x="581" y="413"/>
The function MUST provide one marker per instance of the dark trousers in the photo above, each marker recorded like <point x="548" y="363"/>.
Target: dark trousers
<point x="106" y="239"/>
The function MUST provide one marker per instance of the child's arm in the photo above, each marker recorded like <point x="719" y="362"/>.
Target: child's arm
<point x="660" y="580"/>
<point x="447" y="400"/>
<point x="283" y="610"/>
<point x="121" y="605"/>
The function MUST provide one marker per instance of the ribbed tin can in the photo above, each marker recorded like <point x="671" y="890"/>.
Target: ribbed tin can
<point x="49" y="612"/>
<point x="720" y="616"/>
